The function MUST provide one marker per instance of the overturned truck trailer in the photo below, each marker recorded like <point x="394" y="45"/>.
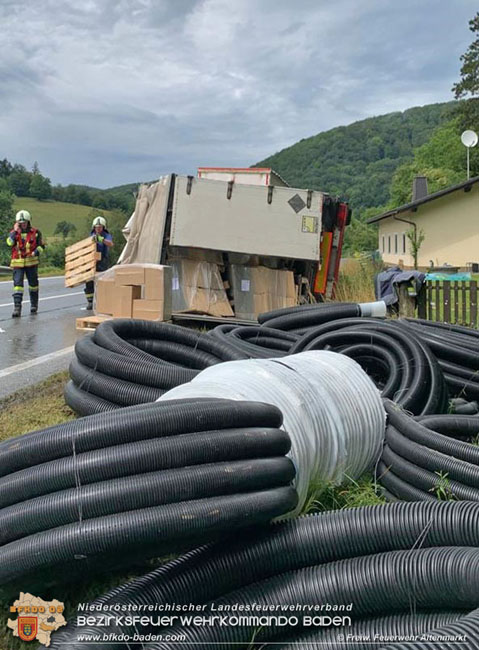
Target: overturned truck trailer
<point x="239" y="241"/>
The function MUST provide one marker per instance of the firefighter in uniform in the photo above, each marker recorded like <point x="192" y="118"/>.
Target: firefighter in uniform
<point x="26" y="244"/>
<point x="104" y="242"/>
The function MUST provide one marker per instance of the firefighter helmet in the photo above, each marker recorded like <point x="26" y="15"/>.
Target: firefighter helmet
<point x="23" y="215"/>
<point x="99" y="221"/>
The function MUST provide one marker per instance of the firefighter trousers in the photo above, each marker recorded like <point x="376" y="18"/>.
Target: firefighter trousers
<point x="18" y="278"/>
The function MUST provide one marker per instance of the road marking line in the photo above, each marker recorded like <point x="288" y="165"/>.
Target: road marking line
<point x="63" y="295"/>
<point x="36" y="362"/>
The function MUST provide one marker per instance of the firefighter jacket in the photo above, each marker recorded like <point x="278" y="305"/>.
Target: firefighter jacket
<point x="26" y="247"/>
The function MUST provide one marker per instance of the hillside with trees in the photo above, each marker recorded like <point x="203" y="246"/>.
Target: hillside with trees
<point x="358" y="161"/>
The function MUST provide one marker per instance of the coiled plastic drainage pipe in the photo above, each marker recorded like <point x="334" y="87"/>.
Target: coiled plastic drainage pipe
<point x="127" y="362"/>
<point x="457" y="351"/>
<point x="337" y="557"/>
<point x="256" y="342"/>
<point x="332" y="410"/>
<point x="402" y="366"/>
<point x="430" y="458"/>
<point x="300" y="318"/>
<point x="113" y="487"/>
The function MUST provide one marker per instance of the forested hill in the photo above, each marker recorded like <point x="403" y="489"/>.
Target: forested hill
<point x="357" y="161"/>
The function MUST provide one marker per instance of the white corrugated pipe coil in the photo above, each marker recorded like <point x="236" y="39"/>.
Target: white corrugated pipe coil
<point x="332" y="410"/>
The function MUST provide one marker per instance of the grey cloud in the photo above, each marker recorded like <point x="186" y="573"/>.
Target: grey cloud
<point x="111" y="91"/>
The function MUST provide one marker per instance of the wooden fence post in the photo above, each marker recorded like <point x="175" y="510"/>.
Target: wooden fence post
<point x="422" y="302"/>
<point x="407" y="303"/>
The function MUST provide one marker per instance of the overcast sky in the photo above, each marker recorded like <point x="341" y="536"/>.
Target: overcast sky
<point x="105" y="92"/>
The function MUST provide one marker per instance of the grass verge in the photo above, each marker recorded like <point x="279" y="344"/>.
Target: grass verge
<point x="43" y="272"/>
<point x="35" y="408"/>
<point x="356" y="281"/>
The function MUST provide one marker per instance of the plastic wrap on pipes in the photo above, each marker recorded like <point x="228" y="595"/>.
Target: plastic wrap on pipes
<point x="332" y="410"/>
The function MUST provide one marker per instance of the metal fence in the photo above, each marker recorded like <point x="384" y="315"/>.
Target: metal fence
<point x="449" y="302"/>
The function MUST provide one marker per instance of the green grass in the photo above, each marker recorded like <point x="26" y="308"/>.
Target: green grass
<point x="43" y="272"/>
<point x="354" y="494"/>
<point x="356" y="281"/>
<point x="46" y="214"/>
<point x="46" y="407"/>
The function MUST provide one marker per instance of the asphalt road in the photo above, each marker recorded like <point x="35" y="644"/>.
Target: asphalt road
<point x="34" y="347"/>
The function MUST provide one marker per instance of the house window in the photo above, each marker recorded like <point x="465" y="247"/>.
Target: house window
<point x="404" y="242"/>
<point x="383" y="247"/>
<point x="395" y="243"/>
<point x="389" y="243"/>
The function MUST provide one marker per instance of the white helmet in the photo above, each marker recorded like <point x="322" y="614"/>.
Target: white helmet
<point x="99" y="221"/>
<point x="23" y="215"/>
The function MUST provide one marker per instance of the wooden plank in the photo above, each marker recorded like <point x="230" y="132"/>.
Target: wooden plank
<point x="90" y="323"/>
<point x="407" y="305"/>
<point x="456" y="302"/>
<point x="437" y="300"/>
<point x="464" y="303"/>
<point x="80" y="270"/>
<point x="79" y="245"/>
<point x="473" y="303"/>
<point x="81" y="261"/>
<point x="429" y="300"/>
<point x="79" y="279"/>
<point x="422" y="302"/>
<point x="447" y="302"/>
<point x="83" y="252"/>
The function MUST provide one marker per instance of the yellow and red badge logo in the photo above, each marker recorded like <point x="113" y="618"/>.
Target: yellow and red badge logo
<point x="37" y="619"/>
<point x="27" y="627"/>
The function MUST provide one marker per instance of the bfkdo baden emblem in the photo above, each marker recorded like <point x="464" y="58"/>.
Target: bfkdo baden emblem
<point x="37" y="619"/>
<point x="27" y="627"/>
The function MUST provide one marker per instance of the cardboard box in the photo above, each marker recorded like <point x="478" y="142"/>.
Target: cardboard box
<point x="149" y="309"/>
<point x="259" y="289"/>
<point x="198" y="287"/>
<point x="122" y="299"/>
<point x="103" y="295"/>
<point x="130" y="275"/>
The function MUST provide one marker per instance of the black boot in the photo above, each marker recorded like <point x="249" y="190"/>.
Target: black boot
<point x="33" y="302"/>
<point x="17" y="306"/>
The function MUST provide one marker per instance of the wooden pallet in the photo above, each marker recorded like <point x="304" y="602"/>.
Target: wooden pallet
<point x="80" y="262"/>
<point x="90" y="323"/>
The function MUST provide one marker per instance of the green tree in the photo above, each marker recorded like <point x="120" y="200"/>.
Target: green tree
<point x="65" y="229"/>
<point x="19" y="181"/>
<point x="416" y="238"/>
<point x="40" y="187"/>
<point x="84" y="197"/>
<point x="441" y="159"/>
<point x="71" y="194"/>
<point x="469" y="82"/>
<point x="6" y="220"/>
<point x="6" y="168"/>
<point x="58" y="193"/>
<point x="361" y="236"/>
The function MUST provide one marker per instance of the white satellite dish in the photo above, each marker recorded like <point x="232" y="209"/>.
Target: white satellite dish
<point x="469" y="138"/>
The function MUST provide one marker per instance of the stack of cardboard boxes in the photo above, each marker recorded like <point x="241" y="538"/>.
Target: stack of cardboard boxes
<point x="192" y="282"/>
<point x="257" y="289"/>
<point x="135" y="291"/>
<point x="197" y="285"/>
